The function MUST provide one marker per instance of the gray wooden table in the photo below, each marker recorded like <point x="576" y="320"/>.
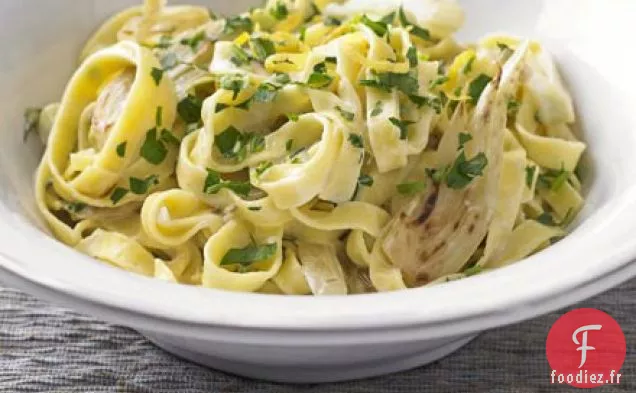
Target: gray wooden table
<point x="44" y="348"/>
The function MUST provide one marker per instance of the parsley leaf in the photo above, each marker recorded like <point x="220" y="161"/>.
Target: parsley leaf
<point x="263" y="48"/>
<point x="233" y="83"/>
<point x="168" y="137"/>
<point x="239" y="56"/>
<point x="546" y="219"/>
<point x="411" y="55"/>
<point x="157" y="75"/>
<point x="468" y="67"/>
<point x="153" y="150"/>
<point x="553" y="179"/>
<point x="238" y="24"/>
<point x="121" y="149"/>
<point x="141" y="186"/>
<point x="229" y="142"/>
<point x="213" y="184"/>
<point x="433" y="102"/>
<point x="118" y="194"/>
<point x="380" y="28"/>
<point x="377" y="109"/>
<point x="513" y="107"/>
<point x="402" y="125"/>
<point x="245" y="257"/>
<point x="194" y="41"/>
<point x="331" y="21"/>
<point x="389" y="18"/>
<point x="159" y="116"/>
<point x="464" y="171"/>
<point x="319" y="80"/>
<point x="415" y="30"/>
<point x="348" y="116"/>
<point x="477" y="87"/>
<point x="293" y="117"/>
<point x="189" y="109"/>
<point x="75" y="207"/>
<point x="365" y="180"/>
<point x="406" y="83"/>
<point x="463" y="139"/>
<point x="280" y="11"/>
<point x="411" y="188"/>
<point x="289" y="144"/>
<point x="356" y="140"/>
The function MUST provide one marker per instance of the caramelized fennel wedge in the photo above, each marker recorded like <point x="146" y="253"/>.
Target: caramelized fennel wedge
<point x="438" y="231"/>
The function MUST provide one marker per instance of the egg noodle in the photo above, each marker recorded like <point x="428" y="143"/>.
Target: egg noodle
<point x="308" y="147"/>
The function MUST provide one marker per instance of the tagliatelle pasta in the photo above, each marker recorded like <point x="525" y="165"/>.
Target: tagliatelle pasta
<point x="308" y="147"/>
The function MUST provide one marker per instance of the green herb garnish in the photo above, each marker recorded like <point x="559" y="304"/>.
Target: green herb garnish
<point x="118" y="194"/>
<point x="377" y="109"/>
<point x="263" y="48"/>
<point x="238" y="24"/>
<point x="348" y="116"/>
<point x="463" y="139"/>
<point x="213" y="184"/>
<point x="153" y="150"/>
<point x="464" y="171"/>
<point x="378" y="27"/>
<point x="279" y="11"/>
<point x="356" y="140"/>
<point x="157" y="75"/>
<point x="233" y="83"/>
<point x="121" y="149"/>
<point x="189" y="109"/>
<point x="477" y="87"/>
<point x="365" y="180"/>
<point x="141" y="186"/>
<point x="411" y="55"/>
<point x="530" y="171"/>
<point x="402" y="125"/>
<point x="246" y="257"/>
<point x="414" y="29"/>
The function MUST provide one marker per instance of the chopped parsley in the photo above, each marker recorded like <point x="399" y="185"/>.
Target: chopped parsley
<point x="414" y="29"/>
<point x="438" y="81"/>
<point x="387" y="81"/>
<point x="477" y="87"/>
<point x="141" y="186"/>
<point x="553" y="179"/>
<point x="472" y="270"/>
<point x="402" y="125"/>
<point x="263" y="167"/>
<point x="118" y="194"/>
<point x="365" y="181"/>
<point x="233" y="83"/>
<point x="239" y="56"/>
<point x="318" y="80"/>
<point x="194" y="41"/>
<point x="289" y="144"/>
<point x="189" y="109"/>
<point x="348" y="116"/>
<point x="168" y="137"/>
<point x="380" y="28"/>
<point x="546" y="219"/>
<point x="121" y="149"/>
<point x="411" y="55"/>
<point x="246" y="257"/>
<point x="255" y="208"/>
<point x="530" y="171"/>
<point x="434" y="103"/>
<point x="411" y="188"/>
<point x="238" y="24"/>
<point x="389" y="18"/>
<point x="157" y="75"/>
<point x="235" y="145"/>
<point x="377" y="109"/>
<point x="159" y="116"/>
<point x="279" y="11"/>
<point x="463" y="139"/>
<point x="356" y="140"/>
<point x="464" y="171"/>
<point x="263" y="48"/>
<point x="468" y="67"/>
<point x="153" y="150"/>
<point x="213" y="184"/>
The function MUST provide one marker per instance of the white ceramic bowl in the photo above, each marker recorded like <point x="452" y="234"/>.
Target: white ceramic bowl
<point x="303" y="339"/>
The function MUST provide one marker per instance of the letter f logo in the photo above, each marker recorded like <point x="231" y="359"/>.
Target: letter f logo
<point x="583" y="344"/>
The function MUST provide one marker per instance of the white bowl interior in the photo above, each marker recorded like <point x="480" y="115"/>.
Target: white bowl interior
<point x="35" y="68"/>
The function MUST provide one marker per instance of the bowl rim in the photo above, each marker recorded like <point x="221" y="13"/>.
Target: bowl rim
<point x="596" y="246"/>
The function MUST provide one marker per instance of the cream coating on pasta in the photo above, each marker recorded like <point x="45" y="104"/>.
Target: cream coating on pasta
<point x="308" y="147"/>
